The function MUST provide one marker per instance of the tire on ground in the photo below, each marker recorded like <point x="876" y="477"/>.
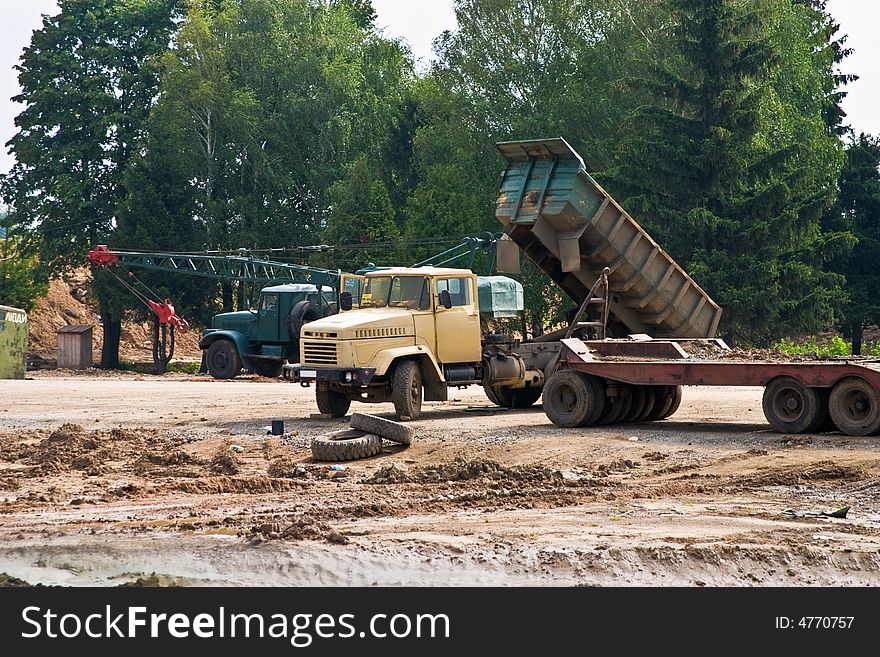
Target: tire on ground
<point x="616" y="407"/>
<point x="388" y="429"/>
<point x="330" y="402"/>
<point x="345" y="445"/>
<point x="855" y="407"/>
<point x="650" y="400"/>
<point x="790" y="406"/>
<point x="639" y="399"/>
<point x="406" y="390"/>
<point x="569" y="399"/>
<point x="222" y="360"/>
<point x="674" y="403"/>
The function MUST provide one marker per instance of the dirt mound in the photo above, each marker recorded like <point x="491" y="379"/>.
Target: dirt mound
<point x="71" y="302"/>
<point x="219" y="485"/>
<point x="792" y="476"/>
<point x="300" y="530"/>
<point x="463" y="470"/>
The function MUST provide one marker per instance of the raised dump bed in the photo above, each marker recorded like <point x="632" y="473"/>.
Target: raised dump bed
<point x="571" y="228"/>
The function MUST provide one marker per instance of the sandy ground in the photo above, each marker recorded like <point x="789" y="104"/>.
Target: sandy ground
<point x="107" y="479"/>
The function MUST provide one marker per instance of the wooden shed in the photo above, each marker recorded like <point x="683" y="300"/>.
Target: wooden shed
<point x="75" y="347"/>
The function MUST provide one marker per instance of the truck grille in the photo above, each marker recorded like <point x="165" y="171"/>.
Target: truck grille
<point x="380" y="333"/>
<point x="319" y="353"/>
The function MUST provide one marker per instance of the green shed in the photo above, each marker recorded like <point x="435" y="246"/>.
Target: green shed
<point x="13" y="342"/>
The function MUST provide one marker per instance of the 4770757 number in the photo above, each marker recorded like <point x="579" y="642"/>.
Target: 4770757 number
<point x="814" y="622"/>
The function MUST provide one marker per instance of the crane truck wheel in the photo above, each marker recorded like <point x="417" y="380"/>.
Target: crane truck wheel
<point x="855" y="407"/>
<point x="569" y="399"/>
<point x="345" y="445"/>
<point x="790" y="406"/>
<point x="302" y="313"/>
<point x="330" y="402"/>
<point x="406" y="390"/>
<point x="516" y="397"/>
<point x="223" y="361"/>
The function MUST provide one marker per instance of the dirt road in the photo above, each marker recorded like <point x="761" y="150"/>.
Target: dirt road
<point x="106" y="479"/>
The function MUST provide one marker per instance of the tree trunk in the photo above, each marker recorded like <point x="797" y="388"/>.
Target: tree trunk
<point x="857" y="339"/>
<point x="112" y="331"/>
<point x="537" y="329"/>
<point x="227" y="297"/>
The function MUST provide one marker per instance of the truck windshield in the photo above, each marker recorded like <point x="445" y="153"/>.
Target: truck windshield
<point x="396" y="291"/>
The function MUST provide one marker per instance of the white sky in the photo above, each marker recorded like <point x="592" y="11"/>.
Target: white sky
<point x="419" y="21"/>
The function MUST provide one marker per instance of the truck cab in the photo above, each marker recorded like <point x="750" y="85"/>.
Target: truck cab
<point x="417" y="332"/>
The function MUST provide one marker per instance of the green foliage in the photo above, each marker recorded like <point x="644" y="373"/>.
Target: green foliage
<point x="362" y="216"/>
<point x="731" y="164"/>
<point x="837" y="346"/>
<point x="20" y="286"/>
<point x="857" y="211"/>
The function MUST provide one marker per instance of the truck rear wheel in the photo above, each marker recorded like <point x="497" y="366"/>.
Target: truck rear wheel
<point x="331" y="402"/>
<point x="790" y="406"/>
<point x="223" y="360"/>
<point x="516" y="397"/>
<point x="570" y="399"/>
<point x="406" y="390"/>
<point x="855" y="407"/>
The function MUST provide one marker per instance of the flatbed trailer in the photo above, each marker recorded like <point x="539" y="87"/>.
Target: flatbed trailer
<point x="613" y="381"/>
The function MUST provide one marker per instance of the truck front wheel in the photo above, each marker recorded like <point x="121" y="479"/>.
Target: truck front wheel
<point x="223" y="360"/>
<point x="331" y="402"/>
<point x="406" y="390"/>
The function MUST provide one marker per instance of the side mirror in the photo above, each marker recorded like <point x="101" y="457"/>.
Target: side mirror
<point x="445" y="299"/>
<point x="345" y="302"/>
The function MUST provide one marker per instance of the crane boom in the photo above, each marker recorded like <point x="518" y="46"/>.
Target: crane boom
<point x="217" y="267"/>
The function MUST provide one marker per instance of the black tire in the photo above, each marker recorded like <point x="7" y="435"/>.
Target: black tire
<point x="855" y="407"/>
<point x="616" y="406"/>
<point x="637" y="407"/>
<point x="674" y="403"/>
<point x="331" y="403"/>
<point x="223" y="360"/>
<point x="345" y="445"/>
<point x="268" y="368"/>
<point x="790" y="406"/>
<point x="569" y="399"/>
<point x="650" y="400"/>
<point x="823" y="418"/>
<point x="388" y="429"/>
<point x="406" y="390"/>
<point x="516" y="397"/>
<point x="490" y="394"/>
<point x="302" y="313"/>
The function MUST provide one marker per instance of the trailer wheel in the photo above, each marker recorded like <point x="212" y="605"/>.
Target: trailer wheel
<point x="569" y="399"/>
<point x="331" y="402"/>
<point x="345" y="445"/>
<point x="223" y="360"/>
<point x="639" y="398"/>
<point x="674" y="403"/>
<point x="650" y="400"/>
<point x="790" y="406"/>
<point x="855" y="407"/>
<point x="490" y="394"/>
<point x="616" y="407"/>
<point x="516" y="397"/>
<point x="406" y="390"/>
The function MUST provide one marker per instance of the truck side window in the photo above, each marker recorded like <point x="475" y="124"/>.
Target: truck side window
<point x="270" y="302"/>
<point x="459" y="290"/>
